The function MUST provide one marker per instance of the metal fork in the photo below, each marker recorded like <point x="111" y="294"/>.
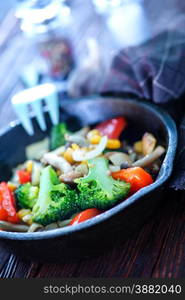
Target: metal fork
<point x="33" y="97"/>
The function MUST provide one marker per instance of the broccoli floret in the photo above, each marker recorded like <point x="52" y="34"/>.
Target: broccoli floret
<point x="57" y="138"/>
<point x="98" y="189"/>
<point x="26" y="195"/>
<point x="56" y="201"/>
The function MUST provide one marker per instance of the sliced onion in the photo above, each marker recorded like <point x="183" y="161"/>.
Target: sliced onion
<point x="117" y="158"/>
<point x="114" y="168"/>
<point x="36" y="172"/>
<point x="80" y="154"/>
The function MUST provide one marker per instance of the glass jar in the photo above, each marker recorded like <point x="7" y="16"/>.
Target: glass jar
<point x="45" y="24"/>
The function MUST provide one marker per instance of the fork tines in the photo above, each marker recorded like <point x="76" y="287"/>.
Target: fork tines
<point x="34" y="97"/>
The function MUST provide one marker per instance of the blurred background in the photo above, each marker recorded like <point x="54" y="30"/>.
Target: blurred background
<point x="74" y="42"/>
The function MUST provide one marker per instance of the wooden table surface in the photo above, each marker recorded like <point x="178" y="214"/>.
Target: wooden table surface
<point x="157" y="250"/>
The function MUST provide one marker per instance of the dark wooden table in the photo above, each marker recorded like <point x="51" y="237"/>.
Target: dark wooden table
<point x="157" y="250"/>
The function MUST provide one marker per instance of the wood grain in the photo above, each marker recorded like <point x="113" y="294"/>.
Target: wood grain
<point x="158" y="251"/>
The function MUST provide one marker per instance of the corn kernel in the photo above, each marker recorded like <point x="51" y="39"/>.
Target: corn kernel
<point x="138" y="147"/>
<point x="93" y="132"/>
<point x="23" y="212"/>
<point x="95" y="139"/>
<point x="113" y="144"/>
<point x="12" y="186"/>
<point x="75" y="146"/>
<point x="29" y="166"/>
<point x="68" y="155"/>
<point x="85" y="149"/>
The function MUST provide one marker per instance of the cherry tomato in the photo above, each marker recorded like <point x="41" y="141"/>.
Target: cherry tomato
<point x="85" y="215"/>
<point x="112" y="128"/>
<point x="136" y="176"/>
<point x="23" y="176"/>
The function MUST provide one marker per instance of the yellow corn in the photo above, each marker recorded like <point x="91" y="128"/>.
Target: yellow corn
<point x="85" y="149"/>
<point x="25" y="215"/>
<point x="68" y="155"/>
<point x="92" y="133"/>
<point x="75" y="146"/>
<point x="95" y="139"/>
<point x="94" y="136"/>
<point x="29" y="166"/>
<point x="12" y="186"/>
<point x="113" y="144"/>
<point x="138" y="147"/>
<point x="23" y="212"/>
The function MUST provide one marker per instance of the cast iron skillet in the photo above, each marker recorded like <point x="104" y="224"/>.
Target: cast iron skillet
<point x="95" y="235"/>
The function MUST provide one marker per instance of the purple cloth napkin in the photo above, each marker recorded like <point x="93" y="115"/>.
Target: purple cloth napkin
<point x="155" y="71"/>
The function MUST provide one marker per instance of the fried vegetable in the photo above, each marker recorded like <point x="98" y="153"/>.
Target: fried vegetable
<point x="58" y="162"/>
<point x="37" y="150"/>
<point x="13" y="227"/>
<point x="36" y="171"/>
<point x="150" y="158"/>
<point x="148" y="143"/>
<point x="57" y="138"/>
<point x="26" y="195"/>
<point x="56" y="201"/>
<point x="98" y="189"/>
<point x="137" y="177"/>
<point x="85" y="215"/>
<point x="117" y="158"/>
<point x="80" y="155"/>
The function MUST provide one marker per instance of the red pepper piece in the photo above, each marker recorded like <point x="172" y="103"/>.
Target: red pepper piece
<point x="7" y="204"/>
<point x="23" y="176"/>
<point x="85" y="215"/>
<point x="112" y="128"/>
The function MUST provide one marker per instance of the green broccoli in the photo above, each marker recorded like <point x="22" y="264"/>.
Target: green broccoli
<point x="26" y="195"/>
<point x="98" y="189"/>
<point x="56" y="201"/>
<point x="57" y="138"/>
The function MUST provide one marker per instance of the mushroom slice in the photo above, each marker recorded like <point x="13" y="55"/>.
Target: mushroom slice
<point x="117" y="158"/>
<point x="57" y="162"/>
<point x="78" y="137"/>
<point x="69" y="177"/>
<point x="13" y="227"/>
<point x="80" y="171"/>
<point x="148" y="143"/>
<point x="150" y="158"/>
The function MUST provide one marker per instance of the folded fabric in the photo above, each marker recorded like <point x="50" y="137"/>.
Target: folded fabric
<point x="154" y="70"/>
